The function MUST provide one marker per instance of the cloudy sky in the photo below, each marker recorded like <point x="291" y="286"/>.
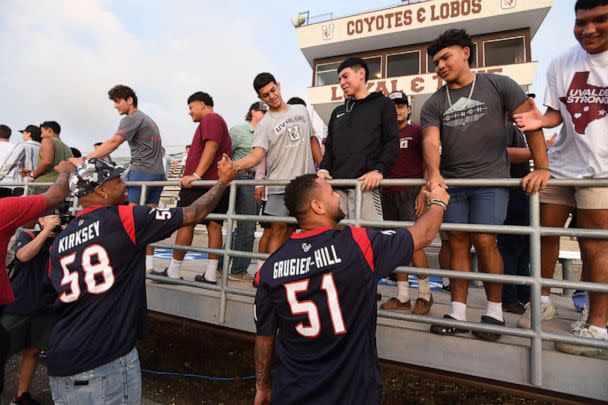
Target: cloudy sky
<point x="60" y="57"/>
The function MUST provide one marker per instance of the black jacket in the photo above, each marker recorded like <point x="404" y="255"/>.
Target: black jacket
<point x="362" y="136"/>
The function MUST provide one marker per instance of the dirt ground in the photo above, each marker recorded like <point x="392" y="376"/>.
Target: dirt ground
<point x="184" y="346"/>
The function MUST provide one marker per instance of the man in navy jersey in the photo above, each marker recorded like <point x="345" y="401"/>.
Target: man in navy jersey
<point x="98" y="270"/>
<point x="319" y="290"/>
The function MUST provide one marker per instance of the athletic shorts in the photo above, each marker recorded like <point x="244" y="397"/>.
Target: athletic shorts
<point x="400" y="205"/>
<point x="264" y="225"/>
<point x="152" y="193"/>
<point x="477" y="205"/>
<point x="371" y="204"/>
<point x="28" y="330"/>
<point x="275" y="205"/>
<point x="586" y="198"/>
<point x="188" y="195"/>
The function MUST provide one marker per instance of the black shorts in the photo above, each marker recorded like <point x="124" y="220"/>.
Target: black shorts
<point x="188" y="195"/>
<point x="28" y="330"/>
<point x="264" y="225"/>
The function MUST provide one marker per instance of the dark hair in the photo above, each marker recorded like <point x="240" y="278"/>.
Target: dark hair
<point x="75" y="152"/>
<point x="202" y="97"/>
<point x="257" y="106"/>
<point x="98" y="144"/>
<point x="589" y="4"/>
<point x="450" y="38"/>
<point x="298" y="194"/>
<point x="187" y="146"/>
<point x="354" y="62"/>
<point x="52" y="125"/>
<point x="263" y="79"/>
<point x="122" y="92"/>
<point x="296" y="101"/>
<point x="5" y="131"/>
<point x="36" y="136"/>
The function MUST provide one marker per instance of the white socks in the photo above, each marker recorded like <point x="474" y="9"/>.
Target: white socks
<point x="403" y="291"/>
<point x="424" y="288"/>
<point x="149" y="262"/>
<point x="174" y="268"/>
<point x="598" y="329"/>
<point x="211" y="269"/>
<point x="545" y="299"/>
<point x="494" y="310"/>
<point x="459" y="311"/>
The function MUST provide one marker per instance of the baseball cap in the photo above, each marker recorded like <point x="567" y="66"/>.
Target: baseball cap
<point x="92" y="173"/>
<point x="399" y="97"/>
<point x="259" y="106"/>
<point x="31" y="128"/>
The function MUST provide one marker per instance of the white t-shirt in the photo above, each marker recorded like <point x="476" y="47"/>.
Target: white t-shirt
<point x="578" y="88"/>
<point x="5" y="150"/>
<point x="285" y="137"/>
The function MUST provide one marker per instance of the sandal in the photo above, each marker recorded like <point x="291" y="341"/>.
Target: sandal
<point x="447" y="330"/>
<point x="487" y="336"/>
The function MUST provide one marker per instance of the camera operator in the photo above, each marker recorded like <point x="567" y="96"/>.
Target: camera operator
<point x="29" y="319"/>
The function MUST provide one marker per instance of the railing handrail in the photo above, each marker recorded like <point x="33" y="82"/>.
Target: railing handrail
<point x="535" y="280"/>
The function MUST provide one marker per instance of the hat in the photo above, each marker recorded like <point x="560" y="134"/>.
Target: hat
<point x="399" y="97"/>
<point x="32" y="129"/>
<point x="92" y="173"/>
<point x="54" y="211"/>
<point x="259" y="106"/>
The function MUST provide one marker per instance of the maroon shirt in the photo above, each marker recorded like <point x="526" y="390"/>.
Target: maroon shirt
<point x="211" y="128"/>
<point x="15" y="211"/>
<point x="410" y="162"/>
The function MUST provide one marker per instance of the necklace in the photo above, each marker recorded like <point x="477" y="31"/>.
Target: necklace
<point x="351" y="108"/>
<point x="447" y="92"/>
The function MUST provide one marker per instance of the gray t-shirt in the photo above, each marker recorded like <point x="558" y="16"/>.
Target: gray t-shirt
<point x="286" y="138"/>
<point x="474" y="132"/>
<point x="143" y="137"/>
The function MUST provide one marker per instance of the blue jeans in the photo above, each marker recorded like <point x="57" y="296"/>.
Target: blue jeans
<point x="243" y="236"/>
<point x="515" y="249"/>
<point x="152" y="193"/>
<point x="477" y="205"/>
<point x="116" y="382"/>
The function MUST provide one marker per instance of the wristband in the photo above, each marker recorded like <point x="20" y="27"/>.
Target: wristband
<point x="196" y="175"/>
<point x="439" y="203"/>
<point x="545" y="168"/>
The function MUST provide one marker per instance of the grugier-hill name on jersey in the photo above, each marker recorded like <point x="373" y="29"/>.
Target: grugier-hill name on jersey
<point x="323" y="257"/>
<point x="78" y="237"/>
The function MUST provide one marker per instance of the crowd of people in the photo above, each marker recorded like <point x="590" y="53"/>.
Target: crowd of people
<point x="76" y="288"/>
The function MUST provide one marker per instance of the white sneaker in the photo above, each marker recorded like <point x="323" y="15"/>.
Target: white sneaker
<point x="589" y="332"/>
<point x="547" y="311"/>
<point x="581" y="323"/>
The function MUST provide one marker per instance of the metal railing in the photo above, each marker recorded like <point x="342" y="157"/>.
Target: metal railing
<point x="534" y="230"/>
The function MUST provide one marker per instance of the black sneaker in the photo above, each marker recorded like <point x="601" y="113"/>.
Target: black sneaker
<point x="201" y="279"/>
<point x="25" y="399"/>
<point x="164" y="273"/>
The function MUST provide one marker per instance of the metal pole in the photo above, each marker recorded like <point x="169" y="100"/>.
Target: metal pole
<point x="358" y="198"/>
<point x="536" y="344"/>
<point x="26" y="189"/>
<point x="227" y="249"/>
<point x="142" y="196"/>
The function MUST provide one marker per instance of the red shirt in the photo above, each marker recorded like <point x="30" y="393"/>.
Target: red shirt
<point x="409" y="163"/>
<point x="211" y="128"/>
<point x="14" y="211"/>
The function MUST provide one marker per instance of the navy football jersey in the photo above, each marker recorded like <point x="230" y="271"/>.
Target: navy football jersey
<point x="33" y="291"/>
<point x="97" y="268"/>
<point x="318" y="291"/>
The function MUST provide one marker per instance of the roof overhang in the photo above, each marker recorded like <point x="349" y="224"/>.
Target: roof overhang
<point x="417" y="23"/>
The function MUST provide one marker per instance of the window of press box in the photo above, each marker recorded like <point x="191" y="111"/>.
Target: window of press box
<point x="375" y="67"/>
<point x="327" y="73"/>
<point x="431" y="65"/>
<point x="504" y="51"/>
<point x="403" y="64"/>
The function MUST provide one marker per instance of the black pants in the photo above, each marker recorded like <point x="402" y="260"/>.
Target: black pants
<point x="4" y="345"/>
